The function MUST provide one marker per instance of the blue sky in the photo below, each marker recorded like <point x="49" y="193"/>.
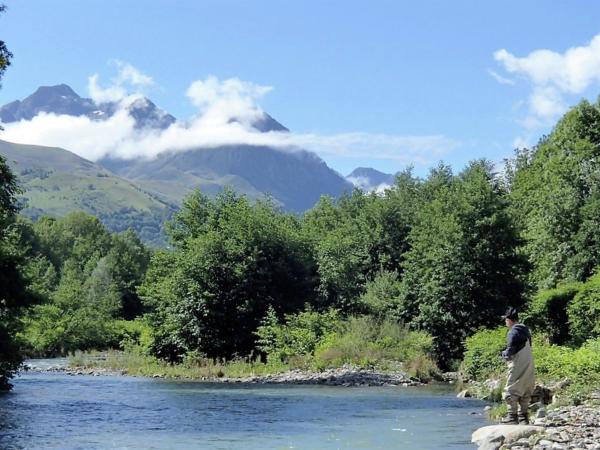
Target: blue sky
<point x="417" y="82"/>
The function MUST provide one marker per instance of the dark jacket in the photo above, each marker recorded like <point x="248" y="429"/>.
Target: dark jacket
<point x="515" y="340"/>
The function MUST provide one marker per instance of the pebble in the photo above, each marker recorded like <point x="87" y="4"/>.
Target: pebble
<point x="570" y="428"/>
<point x="347" y="375"/>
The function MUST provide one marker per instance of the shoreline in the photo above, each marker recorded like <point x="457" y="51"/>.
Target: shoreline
<point x="346" y="376"/>
<point x="563" y="428"/>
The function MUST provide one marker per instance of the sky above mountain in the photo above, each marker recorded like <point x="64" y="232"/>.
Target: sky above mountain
<point x="380" y="84"/>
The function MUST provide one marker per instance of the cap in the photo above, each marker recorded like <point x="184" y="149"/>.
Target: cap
<point x="511" y="313"/>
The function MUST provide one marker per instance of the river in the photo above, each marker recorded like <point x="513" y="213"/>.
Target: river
<point x="58" y="411"/>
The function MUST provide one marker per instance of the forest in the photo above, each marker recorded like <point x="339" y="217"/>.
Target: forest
<point x="422" y="271"/>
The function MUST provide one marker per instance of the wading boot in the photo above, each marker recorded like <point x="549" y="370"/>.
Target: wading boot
<point x="523" y="419"/>
<point x="510" y="419"/>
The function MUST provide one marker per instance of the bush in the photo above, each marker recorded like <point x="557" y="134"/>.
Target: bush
<point x="482" y="355"/>
<point x="366" y="342"/>
<point x="382" y="296"/>
<point x="298" y="335"/>
<point x="547" y="312"/>
<point x="584" y="312"/>
<point x="130" y="334"/>
<point x="580" y="366"/>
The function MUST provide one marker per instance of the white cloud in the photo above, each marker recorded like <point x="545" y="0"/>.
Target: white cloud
<point x="499" y="78"/>
<point x="87" y="138"/>
<point x="221" y="101"/>
<point x="128" y="81"/>
<point x="521" y="142"/>
<point x="226" y="111"/>
<point x="553" y="77"/>
<point x="365" y="184"/>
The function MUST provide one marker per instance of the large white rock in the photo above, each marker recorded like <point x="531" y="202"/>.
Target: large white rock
<point x="493" y="436"/>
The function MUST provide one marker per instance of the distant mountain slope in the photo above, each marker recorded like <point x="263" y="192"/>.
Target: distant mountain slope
<point x="57" y="182"/>
<point x="369" y="179"/>
<point x="296" y="179"/>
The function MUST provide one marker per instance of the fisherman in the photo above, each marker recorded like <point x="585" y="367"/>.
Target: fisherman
<point x="520" y="381"/>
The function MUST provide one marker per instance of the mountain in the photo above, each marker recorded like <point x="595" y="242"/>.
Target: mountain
<point x="294" y="179"/>
<point x="61" y="99"/>
<point x="370" y="179"/>
<point x="56" y="182"/>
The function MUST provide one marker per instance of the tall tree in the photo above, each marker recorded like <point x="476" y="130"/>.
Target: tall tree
<point x="232" y="261"/>
<point x="14" y="296"/>
<point x="462" y="269"/>
<point x="555" y="196"/>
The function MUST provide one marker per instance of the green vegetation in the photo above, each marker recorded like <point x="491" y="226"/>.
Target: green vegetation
<point x="579" y="365"/>
<point x="86" y="278"/>
<point x="57" y="182"/>
<point x="416" y="277"/>
<point x="14" y="295"/>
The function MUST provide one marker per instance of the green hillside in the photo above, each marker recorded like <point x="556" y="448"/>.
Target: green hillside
<point x="56" y="182"/>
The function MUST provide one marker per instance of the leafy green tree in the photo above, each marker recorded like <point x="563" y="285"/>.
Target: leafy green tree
<point x="547" y="312"/>
<point x="382" y="297"/>
<point x="5" y="55"/>
<point x="462" y="269"/>
<point x="340" y="237"/>
<point x="128" y="261"/>
<point x="584" y="311"/>
<point x="233" y="260"/>
<point x="555" y="197"/>
<point x="14" y="295"/>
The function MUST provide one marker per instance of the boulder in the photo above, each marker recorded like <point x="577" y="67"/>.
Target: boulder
<point x="493" y="437"/>
<point x="464" y="394"/>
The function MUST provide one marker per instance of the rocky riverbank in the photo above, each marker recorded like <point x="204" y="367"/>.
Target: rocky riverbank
<point x="344" y="376"/>
<point x="561" y="428"/>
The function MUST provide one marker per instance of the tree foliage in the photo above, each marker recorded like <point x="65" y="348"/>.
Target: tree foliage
<point x="14" y="295"/>
<point x="555" y="198"/>
<point x="232" y="262"/>
<point x="462" y="269"/>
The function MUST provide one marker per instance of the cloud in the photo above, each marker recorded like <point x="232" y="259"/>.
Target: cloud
<point x="226" y="111"/>
<point x="500" y="79"/>
<point x="553" y="77"/>
<point x="129" y="80"/>
<point x="231" y="99"/>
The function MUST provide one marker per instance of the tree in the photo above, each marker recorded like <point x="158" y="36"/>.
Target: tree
<point x="462" y="269"/>
<point x="14" y="295"/>
<point x="5" y="55"/>
<point x="128" y="260"/>
<point x="232" y="261"/>
<point x="555" y="199"/>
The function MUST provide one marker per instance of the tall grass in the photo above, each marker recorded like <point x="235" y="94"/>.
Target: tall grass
<point x="362" y="342"/>
<point x="133" y="362"/>
<point x="370" y="343"/>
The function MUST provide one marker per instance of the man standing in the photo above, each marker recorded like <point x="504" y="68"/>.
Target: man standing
<point x="521" y="370"/>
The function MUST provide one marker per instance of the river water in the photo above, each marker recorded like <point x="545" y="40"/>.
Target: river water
<point x="58" y="411"/>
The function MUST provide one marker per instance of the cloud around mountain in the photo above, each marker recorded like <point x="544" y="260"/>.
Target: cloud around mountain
<point x="228" y="114"/>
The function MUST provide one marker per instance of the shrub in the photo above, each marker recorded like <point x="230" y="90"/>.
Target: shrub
<point x="547" y="312"/>
<point x="298" y="335"/>
<point x="580" y="366"/>
<point x="366" y="342"/>
<point x="133" y="334"/>
<point x="382" y="296"/>
<point x="584" y="312"/>
<point x="482" y="355"/>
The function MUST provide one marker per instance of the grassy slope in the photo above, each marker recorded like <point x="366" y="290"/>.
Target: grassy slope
<point x="57" y="182"/>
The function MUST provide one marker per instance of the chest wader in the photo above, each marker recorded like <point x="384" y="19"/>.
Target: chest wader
<point x="520" y="383"/>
